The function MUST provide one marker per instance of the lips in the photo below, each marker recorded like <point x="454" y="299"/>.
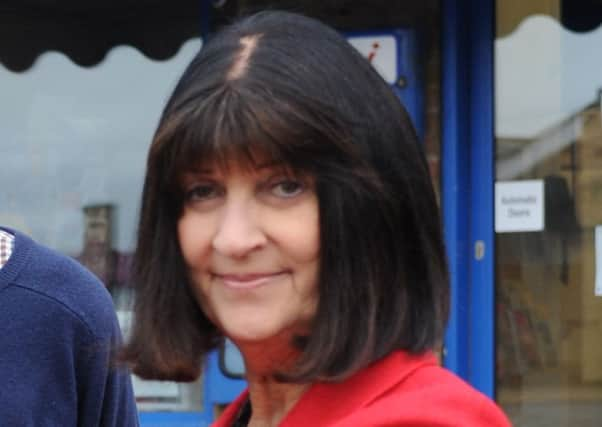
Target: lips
<point x="247" y="281"/>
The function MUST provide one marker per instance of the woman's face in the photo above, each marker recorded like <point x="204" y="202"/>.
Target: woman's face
<point x="250" y="240"/>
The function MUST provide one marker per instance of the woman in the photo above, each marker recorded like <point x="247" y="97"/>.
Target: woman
<point x="287" y="206"/>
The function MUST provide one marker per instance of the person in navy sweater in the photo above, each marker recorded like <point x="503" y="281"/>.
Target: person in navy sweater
<point x="57" y="338"/>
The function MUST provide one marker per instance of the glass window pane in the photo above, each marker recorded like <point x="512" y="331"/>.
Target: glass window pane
<point x="548" y="129"/>
<point x="74" y="144"/>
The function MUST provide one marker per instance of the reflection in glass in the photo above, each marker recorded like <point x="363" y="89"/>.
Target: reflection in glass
<point x="549" y="314"/>
<point x="74" y="142"/>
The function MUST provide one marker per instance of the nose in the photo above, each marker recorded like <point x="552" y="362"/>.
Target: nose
<point x="239" y="231"/>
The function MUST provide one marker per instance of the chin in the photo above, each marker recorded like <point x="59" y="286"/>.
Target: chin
<point x="249" y="336"/>
<point x="251" y="333"/>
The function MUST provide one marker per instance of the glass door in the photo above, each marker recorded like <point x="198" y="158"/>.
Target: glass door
<point x="548" y="212"/>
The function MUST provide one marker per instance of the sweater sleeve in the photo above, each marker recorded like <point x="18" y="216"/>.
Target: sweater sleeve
<point x="105" y="395"/>
<point x="57" y="370"/>
<point x="59" y="332"/>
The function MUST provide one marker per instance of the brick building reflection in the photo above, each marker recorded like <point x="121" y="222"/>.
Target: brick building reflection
<point x="110" y="266"/>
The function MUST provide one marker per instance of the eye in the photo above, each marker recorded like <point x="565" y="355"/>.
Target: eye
<point x="200" y="192"/>
<point x="287" y="188"/>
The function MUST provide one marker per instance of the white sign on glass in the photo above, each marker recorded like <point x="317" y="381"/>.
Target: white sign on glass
<point x="381" y="51"/>
<point x="519" y="206"/>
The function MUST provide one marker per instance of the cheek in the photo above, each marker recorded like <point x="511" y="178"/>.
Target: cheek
<point x="193" y="239"/>
<point x="301" y="237"/>
<point x="184" y="238"/>
<point x="194" y="246"/>
<point x="305" y="246"/>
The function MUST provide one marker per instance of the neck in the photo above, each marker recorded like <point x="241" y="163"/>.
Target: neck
<point x="270" y="399"/>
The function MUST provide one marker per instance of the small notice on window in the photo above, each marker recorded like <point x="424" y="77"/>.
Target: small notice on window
<point x="598" y="254"/>
<point x="381" y="52"/>
<point x="519" y="206"/>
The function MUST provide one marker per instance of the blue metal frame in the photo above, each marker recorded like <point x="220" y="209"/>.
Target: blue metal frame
<point x="467" y="193"/>
<point x="455" y="191"/>
<point x="482" y="293"/>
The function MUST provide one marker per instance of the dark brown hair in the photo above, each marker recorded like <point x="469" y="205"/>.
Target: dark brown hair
<point x="308" y="100"/>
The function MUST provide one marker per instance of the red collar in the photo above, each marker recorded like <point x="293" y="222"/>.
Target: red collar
<point x="331" y="401"/>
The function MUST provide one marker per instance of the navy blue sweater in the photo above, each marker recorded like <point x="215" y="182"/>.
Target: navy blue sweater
<point x="58" y="330"/>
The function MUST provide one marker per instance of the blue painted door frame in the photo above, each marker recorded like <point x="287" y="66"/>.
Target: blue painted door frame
<point x="467" y="191"/>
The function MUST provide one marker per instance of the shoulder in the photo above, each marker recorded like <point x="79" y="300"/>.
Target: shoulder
<point x="65" y="286"/>
<point x="432" y="395"/>
<point x="401" y="389"/>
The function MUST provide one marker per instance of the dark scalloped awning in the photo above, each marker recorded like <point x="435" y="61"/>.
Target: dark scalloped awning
<point x="580" y="16"/>
<point x="86" y="31"/>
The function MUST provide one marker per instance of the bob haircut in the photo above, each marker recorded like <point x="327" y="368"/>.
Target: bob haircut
<point x="291" y="88"/>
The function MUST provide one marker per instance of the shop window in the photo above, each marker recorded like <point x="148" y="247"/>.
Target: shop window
<point x="77" y="114"/>
<point x="549" y="276"/>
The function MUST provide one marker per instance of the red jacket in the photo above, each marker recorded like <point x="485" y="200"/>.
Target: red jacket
<point x="399" y="390"/>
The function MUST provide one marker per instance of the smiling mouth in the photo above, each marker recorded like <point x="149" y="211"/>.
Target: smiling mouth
<point x="247" y="281"/>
